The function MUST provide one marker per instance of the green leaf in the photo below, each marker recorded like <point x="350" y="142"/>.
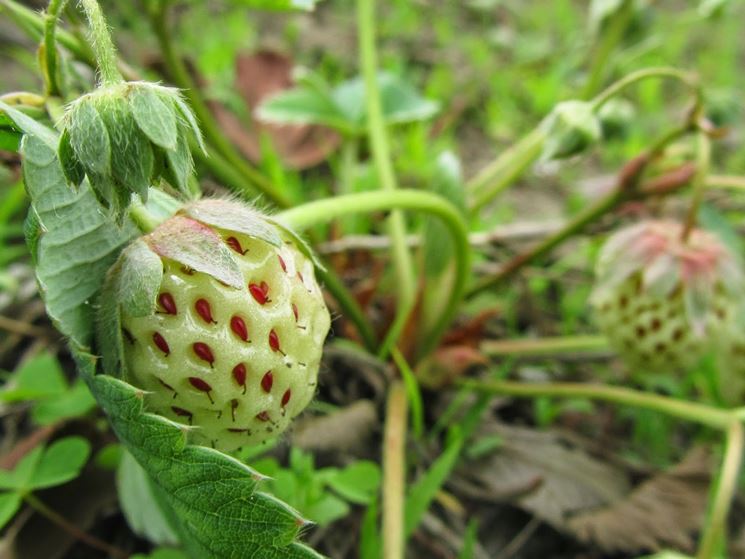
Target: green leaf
<point x="60" y="463"/>
<point x="154" y="116"/>
<point x="18" y="478"/>
<point x="9" y="505"/>
<point x="302" y="105"/>
<point x="358" y="482"/>
<point x="89" y="138"/>
<point x="140" y="506"/>
<point x="78" y="243"/>
<point x="343" y="108"/>
<point x="71" y="167"/>
<point x="327" y="509"/>
<point x="29" y="126"/>
<point x="424" y="490"/>
<point x="438" y="243"/>
<point x="370" y="540"/>
<point x="139" y="278"/>
<point x="75" y="402"/>
<point x="38" y="378"/>
<point x="221" y="515"/>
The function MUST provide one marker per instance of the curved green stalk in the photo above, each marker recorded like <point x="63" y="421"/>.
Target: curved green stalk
<point x="103" y="46"/>
<point x="381" y="155"/>
<point x="181" y="77"/>
<point x="394" y="471"/>
<point x="323" y="211"/>
<point x="697" y="413"/>
<point x="50" y="46"/>
<point x="716" y="527"/>
<point x="656" y="72"/>
<point x="512" y="163"/>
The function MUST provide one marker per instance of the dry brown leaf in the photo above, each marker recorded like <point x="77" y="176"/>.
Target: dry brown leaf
<point x="562" y="479"/>
<point x="260" y="75"/>
<point x="663" y="512"/>
<point x="549" y="476"/>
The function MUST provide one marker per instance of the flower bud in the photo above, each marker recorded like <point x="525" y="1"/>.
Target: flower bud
<point x="125" y="137"/>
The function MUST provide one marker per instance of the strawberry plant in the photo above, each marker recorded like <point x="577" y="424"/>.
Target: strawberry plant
<point x="215" y="310"/>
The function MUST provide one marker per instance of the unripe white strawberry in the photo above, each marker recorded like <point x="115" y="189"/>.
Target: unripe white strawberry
<point x="230" y="338"/>
<point x="662" y="301"/>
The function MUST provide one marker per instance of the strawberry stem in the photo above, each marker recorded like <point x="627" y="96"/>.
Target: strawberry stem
<point x="394" y="472"/>
<point x="103" y="46"/>
<point x="142" y="218"/>
<point x="50" y="47"/>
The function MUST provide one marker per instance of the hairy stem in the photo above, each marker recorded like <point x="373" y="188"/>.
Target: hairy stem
<point x="50" y="46"/>
<point x="142" y="218"/>
<point x="103" y="46"/>
<point x="323" y="211"/>
<point x="394" y="472"/>
<point x="715" y="528"/>
<point x="690" y="411"/>
<point x="377" y="134"/>
<point x="181" y="77"/>
<point x="56" y="518"/>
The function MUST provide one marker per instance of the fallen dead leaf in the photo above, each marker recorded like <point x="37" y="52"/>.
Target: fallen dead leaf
<point x="663" y="512"/>
<point x="344" y="430"/>
<point x="260" y="75"/>
<point x="560" y="483"/>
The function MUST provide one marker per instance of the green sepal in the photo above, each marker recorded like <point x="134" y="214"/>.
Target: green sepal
<point x="188" y="116"/>
<point x="132" y="156"/>
<point x="570" y="129"/>
<point x="71" y="167"/>
<point x="139" y="279"/>
<point x="196" y="246"/>
<point x="235" y="217"/>
<point x="89" y="137"/>
<point x="153" y="115"/>
<point x="301" y="244"/>
<point x="178" y="163"/>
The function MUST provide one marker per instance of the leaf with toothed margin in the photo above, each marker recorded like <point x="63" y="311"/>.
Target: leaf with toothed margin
<point x="212" y="499"/>
<point x="301" y="243"/>
<point x="139" y="278"/>
<point x="196" y="246"/>
<point x="89" y="138"/>
<point x="235" y="217"/>
<point x="190" y="119"/>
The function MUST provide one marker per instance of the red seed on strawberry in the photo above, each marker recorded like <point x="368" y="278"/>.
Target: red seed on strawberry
<point x="266" y="381"/>
<point x="235" y="244"/>
<point x="260" y="292"/>
<point x="161" y="343"/>
<point x="234" y="403"/>
<point x="204" y="310"/>
<point x="202" y="386"/>
<point x="238" y="326"/>
<point x="263" y="416"/>
<point x="167" y="303"/>
<point x="274" y="341"/>
<point x="181" y="412"/>
<point x="286" y="397"/>
<point x="239" y="375"/>
<point x="203" y="351"/>
<point x="282" y="263"/>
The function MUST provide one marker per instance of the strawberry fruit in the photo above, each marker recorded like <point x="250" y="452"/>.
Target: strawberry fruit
<point x="662" y="300"/>
<point x="222" y="323"/>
